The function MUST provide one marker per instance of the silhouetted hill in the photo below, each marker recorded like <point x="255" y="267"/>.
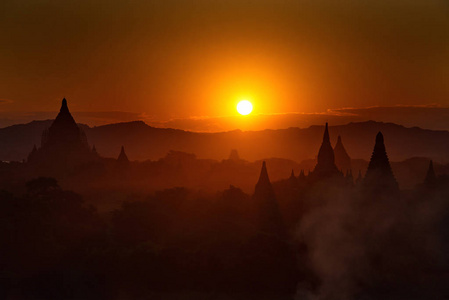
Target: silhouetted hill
<point x="145" y="142"/>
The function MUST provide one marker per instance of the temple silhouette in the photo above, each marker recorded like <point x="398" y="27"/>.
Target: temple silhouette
<point x="64" y="148"/>
<point x="379" y="178"/>
<point x="268" y="217"/>
<point x="63" y="145"/>
<point x="156" y="225"/>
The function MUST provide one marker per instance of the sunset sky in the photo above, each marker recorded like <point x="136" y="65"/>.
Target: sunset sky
<point x="186" y="64"/>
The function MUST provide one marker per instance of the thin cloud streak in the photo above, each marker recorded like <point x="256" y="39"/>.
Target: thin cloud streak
<point x="428" y="116"/>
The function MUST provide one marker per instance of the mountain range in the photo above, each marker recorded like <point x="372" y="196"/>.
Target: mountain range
<point x="143" y="142"/>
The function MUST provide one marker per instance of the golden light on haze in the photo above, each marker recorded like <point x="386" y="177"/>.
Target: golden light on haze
<point x="171" y="60"/>
<point x="244" y="107"/>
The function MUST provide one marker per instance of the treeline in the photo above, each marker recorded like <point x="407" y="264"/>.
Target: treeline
<point x="55" y="246"/>
<point x="337" y="243"/>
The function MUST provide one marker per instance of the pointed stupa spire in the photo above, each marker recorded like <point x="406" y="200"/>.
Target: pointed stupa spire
<point x="292" y="174"/>
<point x="64" y="145"/>
<point x="64" y="113"/>
<point x="326" y="138"/>
<point x="379" y="159"/>
<point x="379" y="175"/>
<point x="64" y="130"/>
<point x="431" y="178"/>
<point x="263" y="177"/>
<point x="325" y="166"/>
<point x="64" y="107"/>
<point x="122" y="158"/>
<point x="267" y="215"/>
<point x="342" y="159"/>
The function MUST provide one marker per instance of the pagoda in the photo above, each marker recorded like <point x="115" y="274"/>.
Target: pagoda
<point x="267" y="214"/>
<point x="379" y="178"/>
<point x="63" y="145"/>
<point x="325" y="167"/>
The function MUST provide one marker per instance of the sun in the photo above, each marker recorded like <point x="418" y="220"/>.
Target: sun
<point x="244" y="107"/>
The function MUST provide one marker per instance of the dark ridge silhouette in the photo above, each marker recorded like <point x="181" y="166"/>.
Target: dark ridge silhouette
<point x="342" y="159"/>
<point x="234" y="155"/>
<point x="292" y="143"/>
<point x="325" y="167"/>
<point x="379" y="178"/>
<point x="267" y="215"/>
<point x="431" y="178"/>
<point x="306" y="233"/>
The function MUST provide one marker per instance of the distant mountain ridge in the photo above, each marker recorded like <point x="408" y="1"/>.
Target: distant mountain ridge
<point x="143" y="142"/>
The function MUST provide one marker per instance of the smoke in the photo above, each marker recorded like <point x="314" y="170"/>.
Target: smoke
<point x="375" y="247"/>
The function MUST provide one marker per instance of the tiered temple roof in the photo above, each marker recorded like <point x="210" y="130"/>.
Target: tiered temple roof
<point x="379" y="177"/>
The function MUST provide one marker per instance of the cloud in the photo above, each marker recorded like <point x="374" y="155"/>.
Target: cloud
<point x="89" y="118"/>
<point x="429" y="116"/>
<point x="107" y="117"/>
<point x="425" y="116"/>
<point x="5" y="101"/>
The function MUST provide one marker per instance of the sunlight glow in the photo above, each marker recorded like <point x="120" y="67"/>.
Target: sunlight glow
<point x="244" y="107"/>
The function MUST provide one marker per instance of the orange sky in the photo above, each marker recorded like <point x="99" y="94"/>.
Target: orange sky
<point x="178" y="59"/>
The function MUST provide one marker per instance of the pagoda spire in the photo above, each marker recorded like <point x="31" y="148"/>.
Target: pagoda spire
<point x="325" y="166"/>
<point x="292" y="174"/>
<point x="263" y="177"/>
<point x="122" y="158"/>
<point x="379" y="176"/>
<point x="64" y="144"/>
<point x="64" y="108"/>
<point x="292" y="179"/>
<point x="64" y="131"/>
<point x="267" y="215"/>
<point x="379" y="158"/>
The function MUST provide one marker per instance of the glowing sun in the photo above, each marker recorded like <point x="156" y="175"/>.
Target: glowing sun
<point x="244" y="107"/>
